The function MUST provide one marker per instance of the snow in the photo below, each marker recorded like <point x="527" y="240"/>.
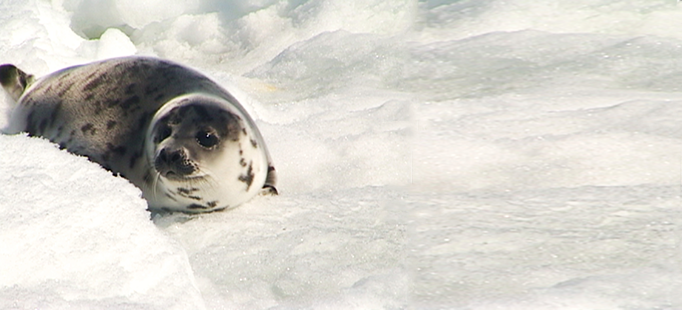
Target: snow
<point x="436" y="154"/>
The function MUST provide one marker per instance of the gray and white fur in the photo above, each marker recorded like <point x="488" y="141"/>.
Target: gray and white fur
<point x="180" y="137"/>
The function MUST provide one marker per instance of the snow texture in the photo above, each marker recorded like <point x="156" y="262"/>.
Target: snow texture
<point x="433" y="154"/>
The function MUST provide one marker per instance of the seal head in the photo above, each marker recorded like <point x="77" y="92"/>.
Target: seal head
<point x="204" y="156"/>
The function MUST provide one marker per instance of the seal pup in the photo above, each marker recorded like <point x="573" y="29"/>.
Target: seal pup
<point x="182" y="139"/>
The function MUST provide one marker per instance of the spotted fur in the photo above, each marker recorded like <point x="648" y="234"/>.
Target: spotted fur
<point x="174" y="133"/>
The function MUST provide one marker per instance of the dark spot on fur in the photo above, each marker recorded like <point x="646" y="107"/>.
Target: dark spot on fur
<point x="254" y="144"/>
<point x="130" y="102"/>
<point x="142" y="122"/>
<point x="242" y="162"/>
<point x="174" y="116"/>
<point x="130" y="89"/>
<point x="248" y="177"/>
<point x="244" y="131"/>
<point x="151" y="88"/>
<point x="212" y="204"/>
<point x="219" y="209"/>
<point x="95" y="83"/>
<point x="65" y="90"/>
<point x="113" y="103"/>
<point x="201" y="111"/>
<point x="118" y="150"/>
<point x="133" y="159"/>
<point x="171" y="197"/>
<point x="88" y="128"/>
<point x="196" y="206"/>
<point x="91" y="75"/>
<point x="229" y="115"/>
<point x="186" y="191"/>
<point x="111" y="124"/>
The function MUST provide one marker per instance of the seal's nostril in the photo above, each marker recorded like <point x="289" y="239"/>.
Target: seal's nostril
<point x="162" y="155"/>
<point x="176" y="157"/>
<point x="171" y="157"/>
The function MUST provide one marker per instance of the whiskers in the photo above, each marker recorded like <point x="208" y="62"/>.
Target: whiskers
<point x="201" y="189"/>
<point x="155" y="182"/>
<point x="205" y="179"/>
<point x="151" y="180"/>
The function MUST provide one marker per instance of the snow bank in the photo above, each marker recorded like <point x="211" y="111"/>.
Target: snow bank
<point x="73" y="235"/>
<point x="432" y="154"/>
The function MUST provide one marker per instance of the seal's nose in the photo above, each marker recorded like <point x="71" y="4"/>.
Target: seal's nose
<point x="173" y="163"/>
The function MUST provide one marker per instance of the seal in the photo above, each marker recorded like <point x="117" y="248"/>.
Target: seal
<point x="182" y="139"/>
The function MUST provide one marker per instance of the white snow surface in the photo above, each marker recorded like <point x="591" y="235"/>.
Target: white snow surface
<point x="434" y="154"/>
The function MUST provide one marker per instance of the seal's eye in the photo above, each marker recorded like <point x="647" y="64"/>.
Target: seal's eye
<point x="206" y="139"/>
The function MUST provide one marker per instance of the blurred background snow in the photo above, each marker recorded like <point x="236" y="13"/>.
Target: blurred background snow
<point x="437" y="154"/>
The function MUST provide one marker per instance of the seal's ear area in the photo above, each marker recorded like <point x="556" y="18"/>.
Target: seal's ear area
<point x="14" y="81"/>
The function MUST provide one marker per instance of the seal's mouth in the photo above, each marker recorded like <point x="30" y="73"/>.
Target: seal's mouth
<point x="175" y="164"/>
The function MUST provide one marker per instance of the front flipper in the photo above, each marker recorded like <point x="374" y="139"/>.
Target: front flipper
<point x="14" y="81"/>
<point x="270" y="182"/>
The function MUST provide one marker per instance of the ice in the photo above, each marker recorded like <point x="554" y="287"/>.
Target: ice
<point x="64" y="244"/>
<point x="437" y="154"/>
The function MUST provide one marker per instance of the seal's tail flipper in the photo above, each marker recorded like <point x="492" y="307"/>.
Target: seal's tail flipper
<point x="14" y="81"/>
